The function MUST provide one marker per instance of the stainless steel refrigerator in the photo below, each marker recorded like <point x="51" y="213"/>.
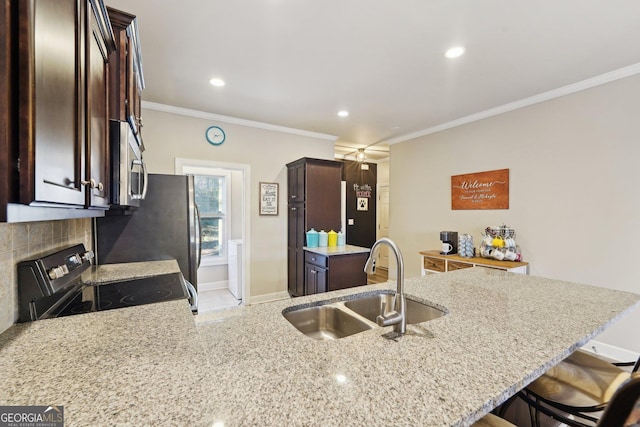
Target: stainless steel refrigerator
<point x="165" y="226"/>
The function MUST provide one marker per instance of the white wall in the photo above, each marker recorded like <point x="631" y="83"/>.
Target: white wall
<point x="168" y="135"/>
<point x="574" y="198"/>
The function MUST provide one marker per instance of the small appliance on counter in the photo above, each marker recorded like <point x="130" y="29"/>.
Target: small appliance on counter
<point x="449" y="242"/>
<point x="52" y="286"/>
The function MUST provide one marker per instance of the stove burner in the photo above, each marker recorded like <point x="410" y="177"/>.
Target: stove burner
<point x="143" y="296"/>
<point x="147" y="290"/>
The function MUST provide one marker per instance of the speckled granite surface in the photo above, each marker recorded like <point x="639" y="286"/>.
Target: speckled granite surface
<point x="129" y="367"/>
<point x="151" y="365"/>
<point x="502" y="331"/>
<point x="131" y="270"/>
<point x="338" y="250"/>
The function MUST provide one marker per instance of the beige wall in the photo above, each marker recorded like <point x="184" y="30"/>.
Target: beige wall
<point x="21" y="241"/>
<point x="574" y="198"/>
<point x="168" y="136"/>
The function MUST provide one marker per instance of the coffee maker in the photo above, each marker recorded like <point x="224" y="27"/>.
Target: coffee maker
<point x="449" y="242"/>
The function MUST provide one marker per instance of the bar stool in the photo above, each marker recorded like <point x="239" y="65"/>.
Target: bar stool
<point x="577" y="390"/>
<point x="491" y="420"/>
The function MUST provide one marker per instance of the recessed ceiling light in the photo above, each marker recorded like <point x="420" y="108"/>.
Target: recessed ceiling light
<point x="454" y="52"/>
<point x="217" y="82"/>
<point x="343" y="113"/>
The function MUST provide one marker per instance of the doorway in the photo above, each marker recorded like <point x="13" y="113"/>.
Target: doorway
<point x="222" y="197"/>
<point x="383" y="225"/>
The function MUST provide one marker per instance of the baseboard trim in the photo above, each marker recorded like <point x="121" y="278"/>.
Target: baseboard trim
<point x="610" y="351"/>
<point x="268" y="297"/>
<point x="213" y="286"/>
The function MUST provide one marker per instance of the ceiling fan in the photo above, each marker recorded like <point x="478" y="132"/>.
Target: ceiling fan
<point x="360" y="153"/>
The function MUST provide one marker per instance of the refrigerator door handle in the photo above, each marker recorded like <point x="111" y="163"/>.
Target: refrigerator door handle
<point x="198" y="234"/>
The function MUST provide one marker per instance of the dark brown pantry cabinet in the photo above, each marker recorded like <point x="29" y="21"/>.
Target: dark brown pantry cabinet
<point x="313" y="187"/>
<point x="57" y="110"/>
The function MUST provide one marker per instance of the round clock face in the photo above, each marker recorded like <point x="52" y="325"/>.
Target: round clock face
<point x="215" y="135"/>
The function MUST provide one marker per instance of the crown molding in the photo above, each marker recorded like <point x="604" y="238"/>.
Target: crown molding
<point x="234" y="120"/>
<point x="601" y="79"/>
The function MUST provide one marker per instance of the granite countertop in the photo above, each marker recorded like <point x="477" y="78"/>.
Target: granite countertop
<point x="337" y="250"/>
<point x="133" y="366"/>
<point x="151" y="365"/>
<point x="106" y="273"/>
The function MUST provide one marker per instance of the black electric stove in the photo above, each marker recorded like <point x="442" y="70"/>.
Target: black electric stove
<point x="51" y="286"/>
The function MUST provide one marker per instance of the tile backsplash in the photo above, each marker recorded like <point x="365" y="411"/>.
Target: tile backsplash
<point x="20" y="241"/>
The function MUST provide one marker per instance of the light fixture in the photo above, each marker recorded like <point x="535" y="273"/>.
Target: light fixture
<point x="361" y="157"/>
<point x="343" y="113"/>
<point x="454" y="52"/>
<point x="217" y="82"/>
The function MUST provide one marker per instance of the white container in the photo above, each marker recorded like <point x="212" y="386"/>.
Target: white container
<point x="323" y="238"/>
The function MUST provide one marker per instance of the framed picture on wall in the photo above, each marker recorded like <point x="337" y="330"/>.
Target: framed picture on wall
<point x="268" y="198"/>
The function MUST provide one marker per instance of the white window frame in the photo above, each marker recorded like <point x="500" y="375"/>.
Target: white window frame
<point x="213" y="260"/>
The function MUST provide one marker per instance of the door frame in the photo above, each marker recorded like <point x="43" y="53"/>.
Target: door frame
<point x="245" y="170"/>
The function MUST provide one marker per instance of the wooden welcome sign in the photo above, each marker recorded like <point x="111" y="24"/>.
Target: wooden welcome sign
<point x="481" y="190"/>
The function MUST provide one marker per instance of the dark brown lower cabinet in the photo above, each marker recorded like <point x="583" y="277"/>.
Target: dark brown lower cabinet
<point x="324" y="273"/>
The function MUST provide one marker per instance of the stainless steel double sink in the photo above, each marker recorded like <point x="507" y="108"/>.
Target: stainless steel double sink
<point x="339" y="318"/>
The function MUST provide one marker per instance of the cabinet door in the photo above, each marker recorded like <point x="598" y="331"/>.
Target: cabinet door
<point x="295" y="251"/>
<point x="323" y="195"/>
<point x="5" y="109"/>
<point x="97" y="172"/>
<point x="125" y="67"/>
<point x="295" y="183"/>
<point x="52" y="151"/>
<point x="315" y="279"/>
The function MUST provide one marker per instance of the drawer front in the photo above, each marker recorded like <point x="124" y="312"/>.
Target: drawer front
<point x="315" y="259"/>
<point x="453" y="265"/>
<point x="434" y="264"/>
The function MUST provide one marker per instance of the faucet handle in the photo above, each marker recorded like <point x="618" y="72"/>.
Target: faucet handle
<point x="382" y="309"/>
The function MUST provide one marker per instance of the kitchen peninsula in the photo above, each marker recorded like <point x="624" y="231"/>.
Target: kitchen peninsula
<point x="153" y="366"/>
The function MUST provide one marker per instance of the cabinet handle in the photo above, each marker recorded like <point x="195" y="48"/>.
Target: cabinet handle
<point x="100" y="186"/>
<point x="294" y="209"/>
<point x="91" y="183"/>
<point x="293" y="196"/>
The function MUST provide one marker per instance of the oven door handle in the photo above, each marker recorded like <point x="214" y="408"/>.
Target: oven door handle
<point x="193" y="296"/>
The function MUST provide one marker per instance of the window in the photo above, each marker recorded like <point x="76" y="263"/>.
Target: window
<point x="212" y="189"/>
<point x="210" y="195"/>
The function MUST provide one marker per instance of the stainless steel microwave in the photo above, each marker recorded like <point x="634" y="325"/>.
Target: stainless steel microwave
<point x="128" y="171"/>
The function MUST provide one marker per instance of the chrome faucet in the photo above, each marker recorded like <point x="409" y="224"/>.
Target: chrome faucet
<point x="398" y="316"/>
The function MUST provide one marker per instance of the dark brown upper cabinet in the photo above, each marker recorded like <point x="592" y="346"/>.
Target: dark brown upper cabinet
<point x="125" y="64"/>
<point x="58" y="108"/>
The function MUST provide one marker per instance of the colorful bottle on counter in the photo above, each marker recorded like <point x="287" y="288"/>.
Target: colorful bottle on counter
<point x="332" y="238"/>
<point x="312" y="238"/>
<point x="322" y="238"/>
<point x="340" y="238"/>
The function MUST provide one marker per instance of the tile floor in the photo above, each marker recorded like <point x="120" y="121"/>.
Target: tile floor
<point x="222" y="299"/>
<point x="217" y="299"/>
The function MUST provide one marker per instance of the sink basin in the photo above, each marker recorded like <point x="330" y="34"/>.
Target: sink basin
<point x="326" y="322"/>
<point x="339" y="318"/>
<point x="371" y="306"/>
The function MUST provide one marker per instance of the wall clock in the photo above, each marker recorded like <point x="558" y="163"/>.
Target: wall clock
<point x="215" y="135"/>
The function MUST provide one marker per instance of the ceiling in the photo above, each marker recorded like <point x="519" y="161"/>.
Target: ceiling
<point x="296" y="63"/>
